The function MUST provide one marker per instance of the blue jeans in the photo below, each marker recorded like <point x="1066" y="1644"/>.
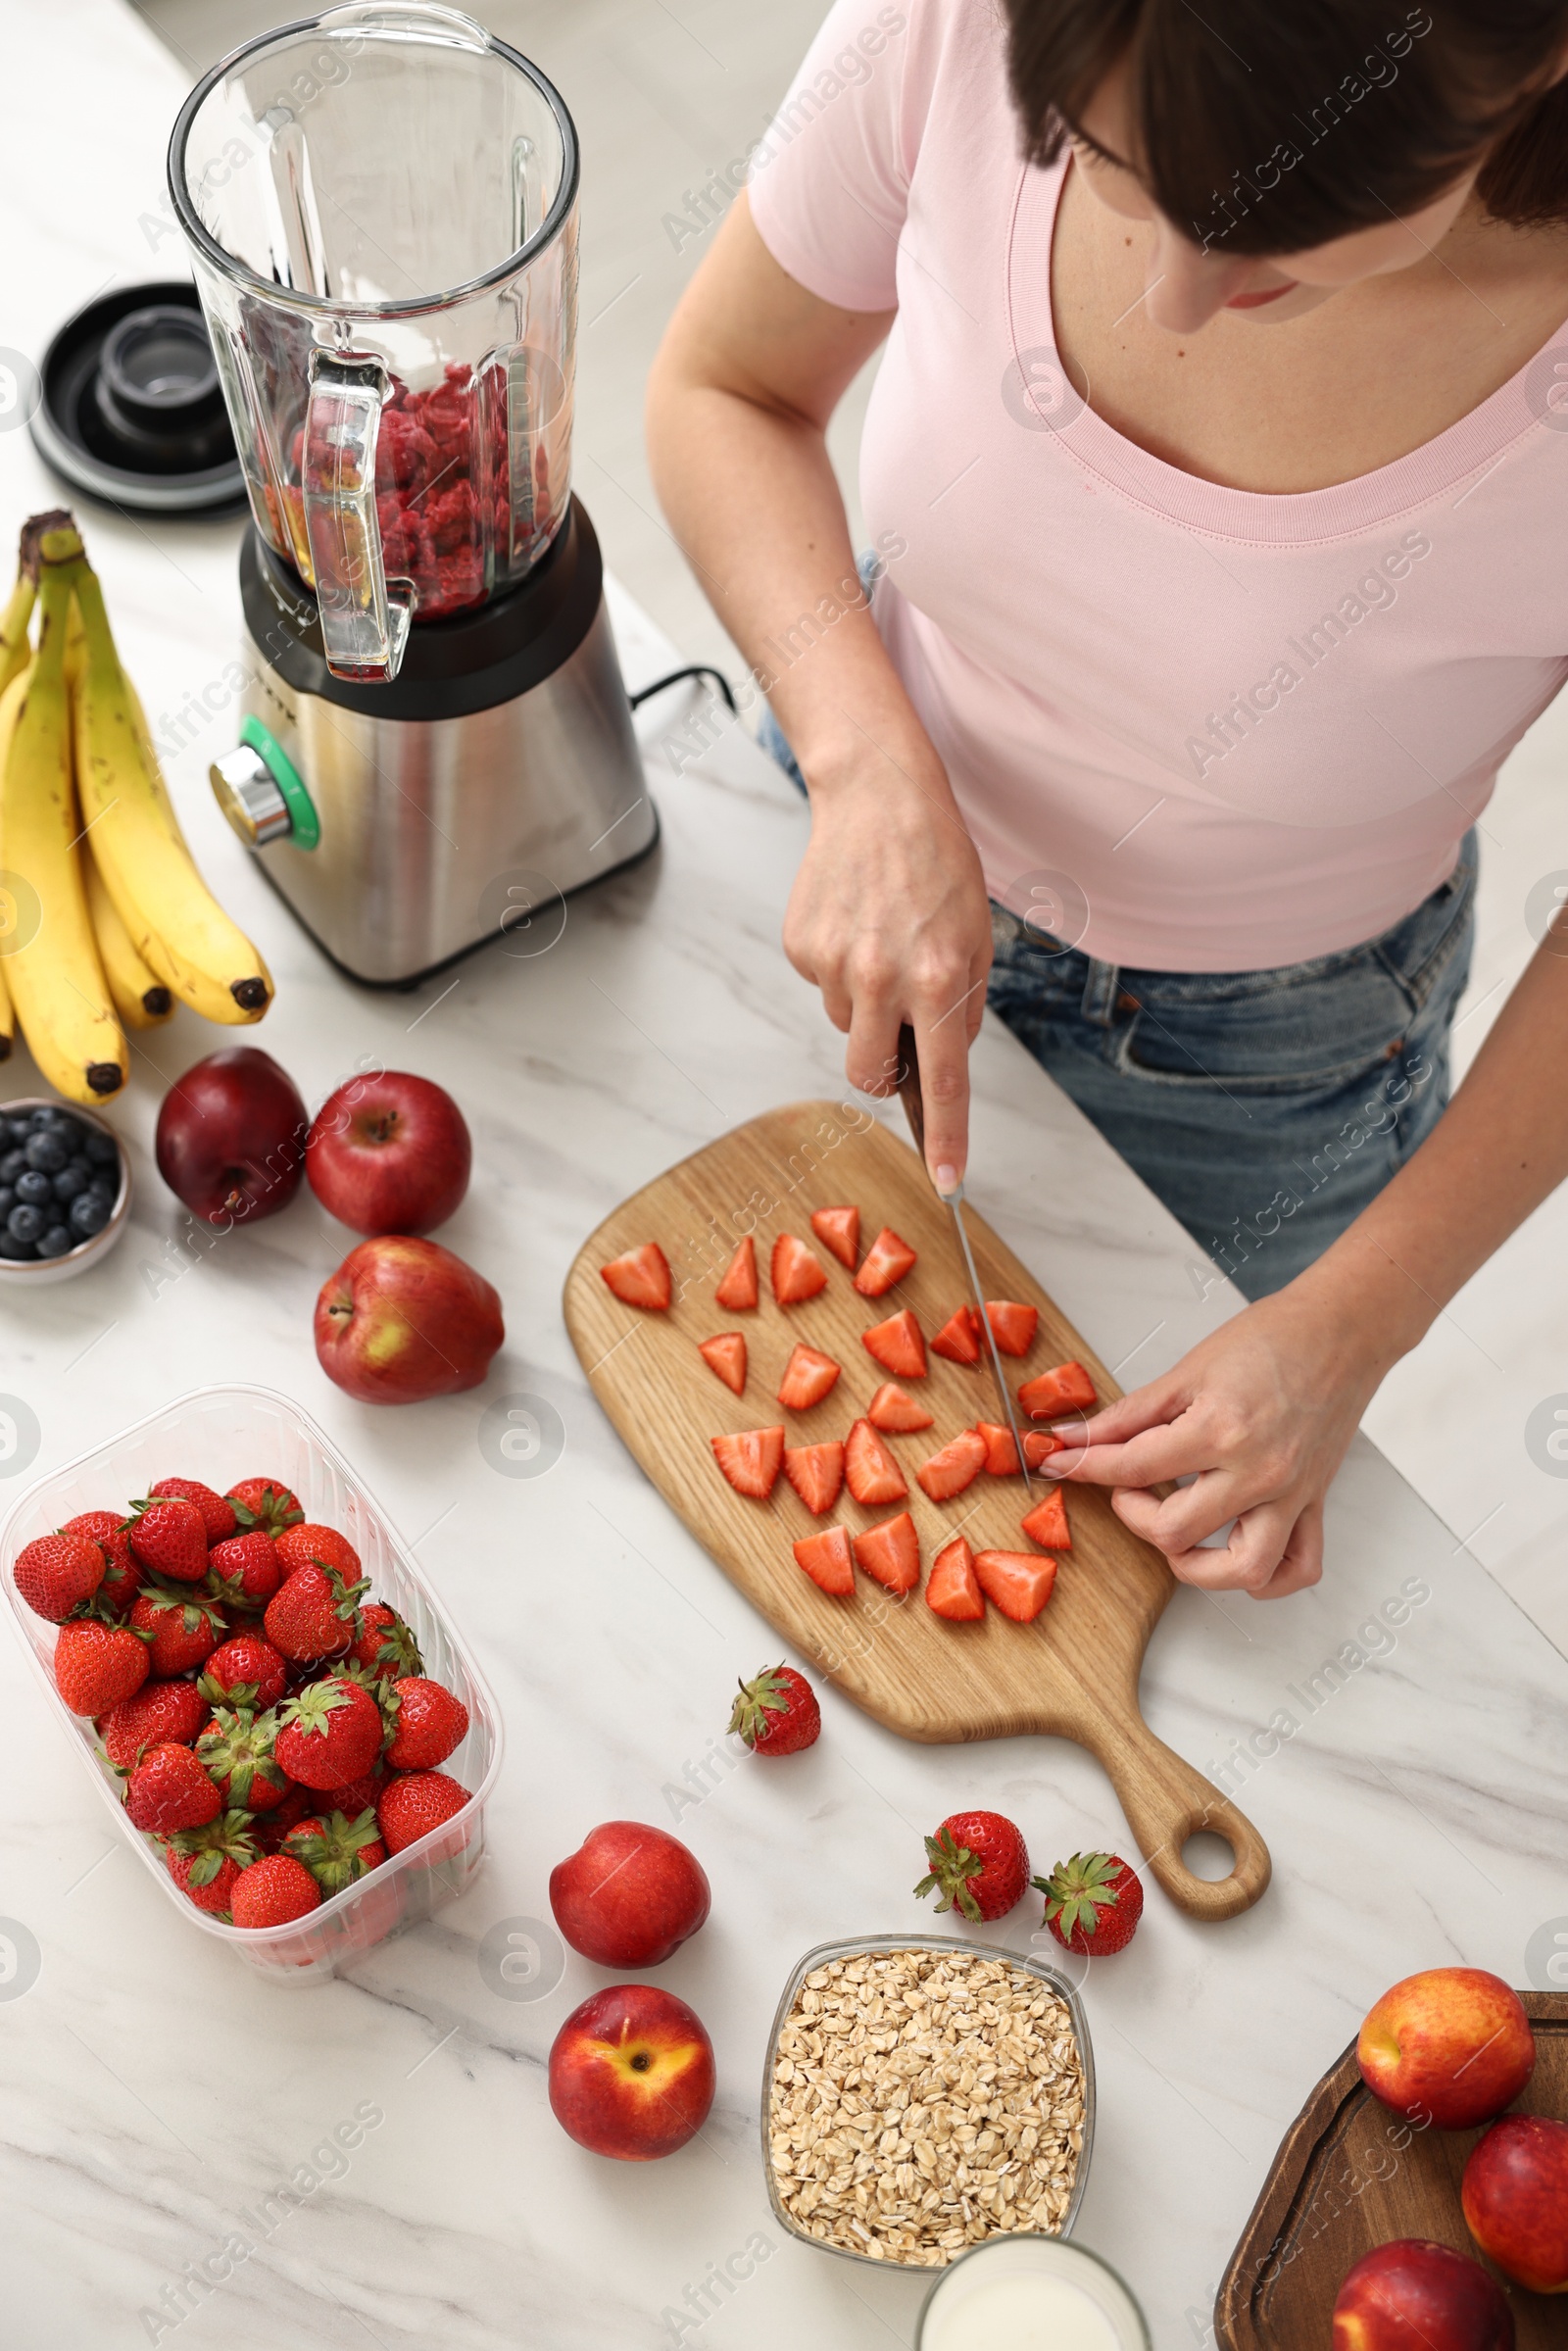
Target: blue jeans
<point x="1265" y="1108"/>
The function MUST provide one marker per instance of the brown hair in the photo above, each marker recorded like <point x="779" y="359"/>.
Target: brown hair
<point x="1272" y="125"/>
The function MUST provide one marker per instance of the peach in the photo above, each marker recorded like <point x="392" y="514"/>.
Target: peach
<point x="1412" y="2295"/>
<point x="629" y="1896"/>
<point x="631" y="2074"/>
<point x="1515" y="2198"/>
<point x="1451" y="2046"/>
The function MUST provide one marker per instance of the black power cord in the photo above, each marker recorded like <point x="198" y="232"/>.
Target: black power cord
<point x="693" y="669"/>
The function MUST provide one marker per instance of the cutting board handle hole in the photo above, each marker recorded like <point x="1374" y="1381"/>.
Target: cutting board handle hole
<point x="1207" y="1855"/>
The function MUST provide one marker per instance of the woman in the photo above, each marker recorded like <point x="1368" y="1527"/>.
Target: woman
<point x="1217" y="446"/>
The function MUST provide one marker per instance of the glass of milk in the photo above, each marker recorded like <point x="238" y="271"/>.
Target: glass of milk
<point x="1030" y="2293"/>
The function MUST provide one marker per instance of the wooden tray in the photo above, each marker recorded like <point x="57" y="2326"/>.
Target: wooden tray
<point x="1073" y="1672"/>
<point x="1349" y="2176"/>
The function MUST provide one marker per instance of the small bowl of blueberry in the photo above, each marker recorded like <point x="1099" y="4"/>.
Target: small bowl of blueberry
<point x="64" y="1190"/>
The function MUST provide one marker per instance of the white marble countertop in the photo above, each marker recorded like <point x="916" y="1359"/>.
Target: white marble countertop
<point x="154" y="2092"/>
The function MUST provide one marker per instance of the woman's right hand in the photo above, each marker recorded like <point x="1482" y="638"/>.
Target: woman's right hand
<point x="889" y="917"/>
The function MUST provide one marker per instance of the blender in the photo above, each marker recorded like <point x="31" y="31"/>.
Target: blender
<point x="382" y="207"/>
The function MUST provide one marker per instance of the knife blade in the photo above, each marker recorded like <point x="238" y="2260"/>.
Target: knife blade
<point x="910" y="1095"/>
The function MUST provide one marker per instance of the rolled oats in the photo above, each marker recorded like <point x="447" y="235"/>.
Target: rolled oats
<point x="922" y="2100"/>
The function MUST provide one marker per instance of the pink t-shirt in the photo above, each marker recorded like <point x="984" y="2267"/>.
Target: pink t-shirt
<point x="1247" y="729"/>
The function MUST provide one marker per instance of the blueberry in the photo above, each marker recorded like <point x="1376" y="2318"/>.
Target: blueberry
<point x="14" y="1133"/>
<point x="47" y="1114"/>
<point x="101" y="1148"/>
<point x="47" y="1150"/>
<point x="11" y="1165"/>
<point x="8" y="1200"/>
<point x="71" y="1179"/>
<point x="24" y="1223"/>
<point x="58" y="1238"/>
<point x="104" y="1188"/>
<point x="16" y="1249"/>
<point x="34" y="1187"/>
<point x="87" y="1214"/>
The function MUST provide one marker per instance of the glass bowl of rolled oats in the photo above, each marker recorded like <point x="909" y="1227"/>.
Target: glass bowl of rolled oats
<point x="923" y="2094"/>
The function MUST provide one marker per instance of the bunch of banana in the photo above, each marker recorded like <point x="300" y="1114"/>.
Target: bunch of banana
<point x="173" y="926"/>
<point x="48" y="954"/>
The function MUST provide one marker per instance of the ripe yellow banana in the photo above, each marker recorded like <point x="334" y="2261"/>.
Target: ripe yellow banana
<point x="175" y="925"/>
<point x="8" y="1018"/>
<point x="51" y="964"/>
<point x="141" y="997"/>
<point x="14" y="622"/>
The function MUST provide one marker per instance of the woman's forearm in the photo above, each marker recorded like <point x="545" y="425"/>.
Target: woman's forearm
<point x="1498" y="1151"/>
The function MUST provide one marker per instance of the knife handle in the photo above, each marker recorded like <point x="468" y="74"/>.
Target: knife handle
<point x="908" y="1085"/>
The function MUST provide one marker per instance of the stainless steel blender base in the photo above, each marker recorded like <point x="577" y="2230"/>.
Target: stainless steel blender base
<point x="439" y="834"/>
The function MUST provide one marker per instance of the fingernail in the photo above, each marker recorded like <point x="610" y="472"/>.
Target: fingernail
<point x="947" y="1179"/>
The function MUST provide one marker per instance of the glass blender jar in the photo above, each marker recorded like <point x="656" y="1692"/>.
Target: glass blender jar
<point x="381" y="206"/>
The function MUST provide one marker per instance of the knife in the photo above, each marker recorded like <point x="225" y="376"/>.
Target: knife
<point x="910" y="1095"/>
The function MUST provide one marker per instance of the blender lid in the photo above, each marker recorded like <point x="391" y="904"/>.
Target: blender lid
<point x="130" y="409"/>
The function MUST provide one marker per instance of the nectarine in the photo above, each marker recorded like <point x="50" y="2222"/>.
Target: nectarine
<point x="1515" y="2198"/>
<point x="631" y="2074"/>
<point x="1412" y="2295"/>
<point x="1451" y="2046"/>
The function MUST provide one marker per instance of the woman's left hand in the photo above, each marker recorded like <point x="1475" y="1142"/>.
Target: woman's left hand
<point x="1260" y="1415"/>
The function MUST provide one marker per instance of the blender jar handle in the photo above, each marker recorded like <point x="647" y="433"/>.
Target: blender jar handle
<point x="364" y="615"/>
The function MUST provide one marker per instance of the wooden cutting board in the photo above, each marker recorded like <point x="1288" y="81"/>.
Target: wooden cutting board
<point x="1074" y="1671"/>
<point x="1350" y="2176"/>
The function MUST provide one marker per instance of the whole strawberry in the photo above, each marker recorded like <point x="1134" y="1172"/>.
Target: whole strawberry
<point x="167" y="1790"/>
<point x="978" y="1861"/>
<point x="244" y="1571"/>
<point x="306" y="1543"/>
<point x="385" y="1646"/>
<point x="314" y="1615"/>
<point x="272" y="1892"/>
<point x="239" y="1751"/>
<point x="336" y="1850"/>
<point x="427" y="1721"/>
<point x="331" y="1732"/>
<point x="218" y="1514"/>
<point x="266" y="1503"/>
<point x="183" y="1626"/>
<point x="1092" y="1903"/>
<point x="355" y="1795"/>
<point x="272" y="1827"/>
<point x="777" y="1713"/>
<point x="245" y="1671"/>
<point x="97" y="1665"/>
<point x="169" y="1538"/>
<point x="413" y="1805"/>
<point x="158" y="1712"/>
<point x="204" y="1863"/>
<point x="121" y="1574"/>
<point x="58" y="1572"/>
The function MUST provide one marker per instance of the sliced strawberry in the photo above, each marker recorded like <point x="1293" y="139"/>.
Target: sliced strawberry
<point x="1012" y="1326"/>
<point x="895" y="1411"/>
<point x="887" y="1260"/>
<point x="1019" y="1582"/>
<point x="726" y="1354"/>
<point x="1038" y="1446"/>
<point x="816" y="1472"/>
<point x="1065" y="1389"/>
<point x="1001" y="1454"/>
<point x="890" y="1553"/>
<point x="737" y="1292"/>
<point x="839" y="1229"/>
<point x="796" y="1272"/>
<point x="808" y="1377"/>
<point x="827" y="1560"/>
<point x="897" y="1345"/>
<point x="952" y="1587"/>
<point x="959" y="1338"/>
<point x="956" y="1466"/>
<point x="1047" y="1523"/>
<point x="641" y="1278"/>
<point x="749" y="1459"/>
<point x="870" y="1472"/>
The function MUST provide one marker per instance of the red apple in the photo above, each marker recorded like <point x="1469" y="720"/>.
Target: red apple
<point x="389" y="1154"/>
<point x="1515" y="2198"/>
<point x="629" y="1896"/>
<point x="1416" y="2296"/>
<point x="1449" y="2047"/>
<point x="401" y="1319"/>
<point x="631" y="2072"/>
<point x="231" y="1136"/>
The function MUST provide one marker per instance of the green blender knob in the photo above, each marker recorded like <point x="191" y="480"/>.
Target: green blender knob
<point x="262" y="791"/>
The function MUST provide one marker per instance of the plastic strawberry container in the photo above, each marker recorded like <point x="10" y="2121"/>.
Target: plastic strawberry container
<point x="221" y="1434"/>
